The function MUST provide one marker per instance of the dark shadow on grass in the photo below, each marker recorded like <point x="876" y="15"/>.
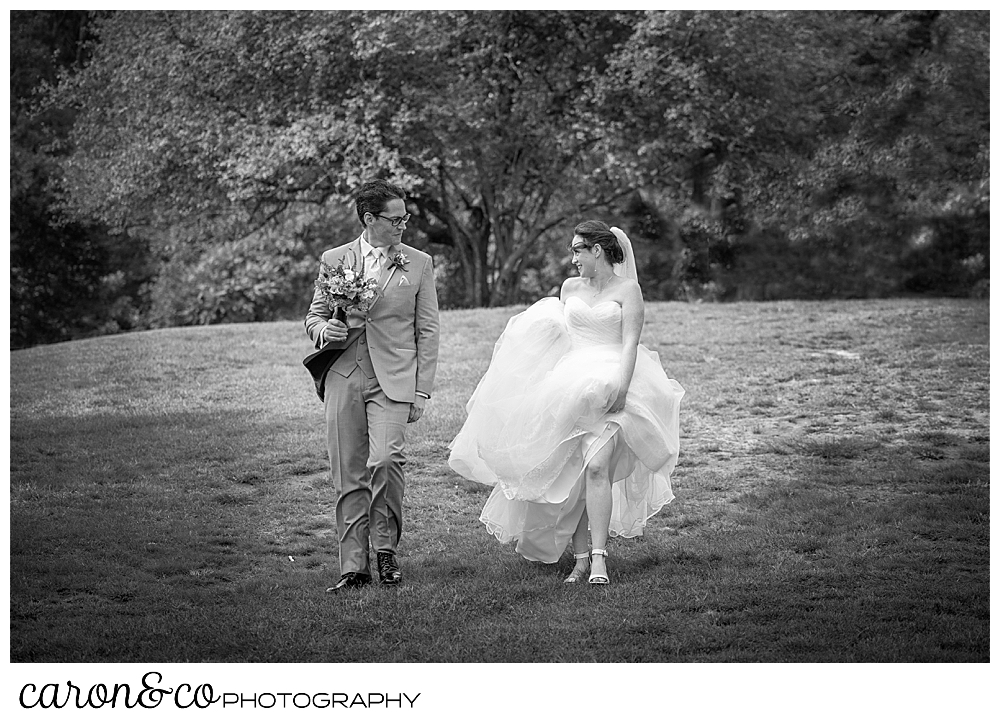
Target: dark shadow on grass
<point x="121" y="523"/>
<point x="874" y="546"/>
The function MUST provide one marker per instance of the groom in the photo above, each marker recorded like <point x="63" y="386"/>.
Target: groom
<point x="378" y="385"/>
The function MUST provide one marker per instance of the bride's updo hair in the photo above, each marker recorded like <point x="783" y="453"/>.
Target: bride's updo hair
<point x="598" y="233"/>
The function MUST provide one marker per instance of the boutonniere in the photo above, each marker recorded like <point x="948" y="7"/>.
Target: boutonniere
<point x="398" y="261"/>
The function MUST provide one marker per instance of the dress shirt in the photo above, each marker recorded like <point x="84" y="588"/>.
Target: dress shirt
<point x="374" y="259"/>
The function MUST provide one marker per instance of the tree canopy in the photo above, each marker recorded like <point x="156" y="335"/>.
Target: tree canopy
<point x="730" y="132"/>
<point x="482" y="115"/>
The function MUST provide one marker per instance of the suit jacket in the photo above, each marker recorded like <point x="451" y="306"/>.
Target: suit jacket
<point x="401" y="328"/>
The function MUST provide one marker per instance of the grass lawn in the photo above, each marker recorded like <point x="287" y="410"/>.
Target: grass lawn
<point x="170" y="502"/>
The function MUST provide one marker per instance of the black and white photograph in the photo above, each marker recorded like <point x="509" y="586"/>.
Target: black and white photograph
<point x="499" y="362"/>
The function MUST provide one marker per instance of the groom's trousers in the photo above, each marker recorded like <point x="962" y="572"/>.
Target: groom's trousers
<point x="365" y="436"/>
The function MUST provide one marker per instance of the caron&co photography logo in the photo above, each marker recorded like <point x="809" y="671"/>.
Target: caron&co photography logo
<point x="152" y="692"/>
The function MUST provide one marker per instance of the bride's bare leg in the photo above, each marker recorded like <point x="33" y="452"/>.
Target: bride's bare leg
<point x="599" y="503"/>
<point x="580" y="536"/>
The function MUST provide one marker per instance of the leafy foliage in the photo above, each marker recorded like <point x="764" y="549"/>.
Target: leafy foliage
<point x="263" y="276"/>
<point x="68" y="279"/>
<point x="750" y="153"/>
<point x="858" y="136"/>
<point x="480" y="114"/>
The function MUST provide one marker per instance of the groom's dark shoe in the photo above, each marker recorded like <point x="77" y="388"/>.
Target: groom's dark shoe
<point x="349" y="580"/>
<point x="388" y="570"/>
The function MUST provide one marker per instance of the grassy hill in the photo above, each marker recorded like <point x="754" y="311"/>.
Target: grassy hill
<point x="170" y="501"/>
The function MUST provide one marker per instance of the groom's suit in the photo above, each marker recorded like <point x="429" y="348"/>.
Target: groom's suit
<point x="368" y="393"/>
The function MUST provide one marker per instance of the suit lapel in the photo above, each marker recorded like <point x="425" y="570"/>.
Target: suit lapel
<point x="351" y="253"/>
<point x="351" y="256"/>
<point x="356" y="251"/>
<point x="388" y="271"/>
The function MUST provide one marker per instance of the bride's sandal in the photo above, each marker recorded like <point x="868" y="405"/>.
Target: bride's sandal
<point x="597" y="578"/>
<point x="578" y="572"/>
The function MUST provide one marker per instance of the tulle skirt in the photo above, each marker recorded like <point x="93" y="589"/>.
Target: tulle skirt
<point x="537" y="418"/>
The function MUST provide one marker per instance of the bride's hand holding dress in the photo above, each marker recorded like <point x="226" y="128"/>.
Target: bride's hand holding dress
<point x="567" y="377"/>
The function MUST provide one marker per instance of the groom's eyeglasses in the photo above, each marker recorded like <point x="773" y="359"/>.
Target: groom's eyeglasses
<point x="394" y="220"/>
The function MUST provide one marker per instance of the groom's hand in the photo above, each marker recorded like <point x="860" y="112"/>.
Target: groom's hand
<point x="416" y="409"/>
<point x="334" y="331"/>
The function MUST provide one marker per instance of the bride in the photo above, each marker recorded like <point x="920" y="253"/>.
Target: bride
<point x="574" y="424"/>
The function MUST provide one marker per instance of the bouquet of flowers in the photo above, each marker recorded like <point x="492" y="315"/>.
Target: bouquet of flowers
<point x="346" y="288"/>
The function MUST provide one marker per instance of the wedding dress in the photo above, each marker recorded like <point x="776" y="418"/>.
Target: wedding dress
<point x="538" y="417"/>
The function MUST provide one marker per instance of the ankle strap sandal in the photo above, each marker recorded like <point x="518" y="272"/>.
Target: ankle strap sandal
<point x="598" y="579"/>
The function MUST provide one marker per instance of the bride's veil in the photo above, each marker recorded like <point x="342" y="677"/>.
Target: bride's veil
<point x="627" y="268"/>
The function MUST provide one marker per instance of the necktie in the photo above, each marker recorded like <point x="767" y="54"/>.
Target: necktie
<point x="376" y="270"/>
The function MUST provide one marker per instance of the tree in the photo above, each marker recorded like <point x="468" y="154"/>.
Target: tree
<point x="68" y="279"/>
<point x="483" y="115"/>
<point x="495" y="108"/>
<point x="811" y="125"/>
<point x="855" y="136"/>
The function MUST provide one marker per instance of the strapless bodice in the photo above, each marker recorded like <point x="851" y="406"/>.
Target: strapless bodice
<point x="593" y="325"/>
